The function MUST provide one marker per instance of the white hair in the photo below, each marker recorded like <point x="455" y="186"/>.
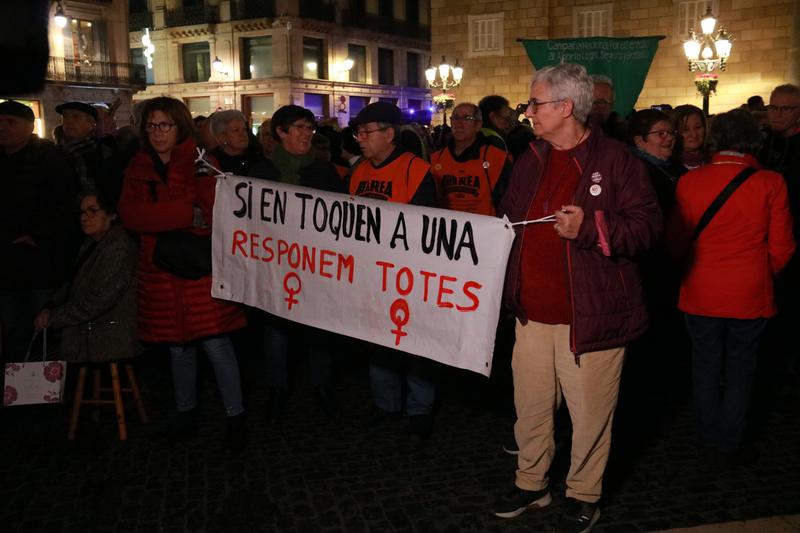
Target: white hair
<point x="221" y="119"/>
<point x="569" y="81"/>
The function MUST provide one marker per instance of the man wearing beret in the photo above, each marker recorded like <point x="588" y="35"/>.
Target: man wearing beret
<point x="95" y="161"/>
<point x="388" y="172"/>
<point x="38" y="225"/>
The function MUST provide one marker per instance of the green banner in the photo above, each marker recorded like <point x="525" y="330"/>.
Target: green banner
<point x="625" y="60"/>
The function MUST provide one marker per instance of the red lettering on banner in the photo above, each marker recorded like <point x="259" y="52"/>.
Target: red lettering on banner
<point x="404" y="281"/>
<point x="297" y="256"/>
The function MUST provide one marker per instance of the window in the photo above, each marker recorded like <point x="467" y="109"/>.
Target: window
<point x="257" y="58"/>
<point x="412" y="11"/>
<point x="385" y="66"/>
<point x="593" y="21"/>
<point x="313" y="59"/>
<point x="137" y="58"/>
<point x="358" y="54"/>
<point x="412" y="70"/>
<point x="200" y="105"/>
<point x="357" y="103"/>
<point x="414" y="103"/>
<point x="85" y="42"/>
<point x="388" y="100"/>
<point x="386" y="8"/>
<point x="688" y="15"/>
<point x="317" y="104"/>
<point x="257" y="109"/>
<point x="486" y="35"/>
<point x="196" y="62"/>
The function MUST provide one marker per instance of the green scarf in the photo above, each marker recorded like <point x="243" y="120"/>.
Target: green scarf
<point x="289" y="164"/>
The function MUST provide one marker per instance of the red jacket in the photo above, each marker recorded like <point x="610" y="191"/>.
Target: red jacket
<point x="621" y="221"/>
<point x="728" y="270"/>
<point x="172" y="309"/>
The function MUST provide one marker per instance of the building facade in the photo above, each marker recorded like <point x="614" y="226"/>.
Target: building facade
<point x="483" y="35"/>
<point x="89" y="62"/>
<point x="330" y="57"/>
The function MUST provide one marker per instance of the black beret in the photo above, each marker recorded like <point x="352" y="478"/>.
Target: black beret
<point x="378" y="112"/>
<point x="14" y="108"/>
<point x="77" y="106"/>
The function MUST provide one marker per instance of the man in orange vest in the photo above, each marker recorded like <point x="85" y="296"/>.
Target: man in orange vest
<point x="387" y="172"/>
<point x="471" y="172"/>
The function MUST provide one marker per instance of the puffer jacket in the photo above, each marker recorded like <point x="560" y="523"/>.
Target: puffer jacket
<point x="622" y="220"/>
<point x="172" y="309"/>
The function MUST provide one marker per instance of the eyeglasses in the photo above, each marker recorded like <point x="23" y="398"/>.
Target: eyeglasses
<point x="782" y="108"/>
<point x="305" y="128"/>
<point x="163" y="127"/>
<point x="534" y="103"/>
<point x="90" y="211"/>
<point x="462" y="118"/>
<point x="662" y="134"/>
<point x="363" y="134"/>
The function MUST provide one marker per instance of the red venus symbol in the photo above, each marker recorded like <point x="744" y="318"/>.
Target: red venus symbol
<point x="291" y="291"/>
<point x="400" y="315"/>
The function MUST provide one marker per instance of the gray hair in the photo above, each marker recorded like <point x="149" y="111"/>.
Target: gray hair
<point x="787" y="88"/>
<point x="221" y="119"/>
<point x="600" y="78"/>
<point x="569" y="81"/>
<point x="476" y="111"/>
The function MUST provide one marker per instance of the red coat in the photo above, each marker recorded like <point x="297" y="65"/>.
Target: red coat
<point x="172" y="309"/>
<point x="728" y="271"/>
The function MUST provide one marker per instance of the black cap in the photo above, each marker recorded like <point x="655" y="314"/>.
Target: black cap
<point x="77" y="106"/>
<point x="378" y="112"/>
<point x="14" y="108"/>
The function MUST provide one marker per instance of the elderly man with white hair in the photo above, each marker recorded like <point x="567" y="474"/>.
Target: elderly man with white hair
<point x="574" y="287"/>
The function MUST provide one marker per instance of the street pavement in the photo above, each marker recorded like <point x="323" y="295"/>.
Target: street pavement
<point x="314" y="474"/>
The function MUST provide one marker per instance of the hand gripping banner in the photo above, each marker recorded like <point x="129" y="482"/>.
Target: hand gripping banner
<point x="421" y="280"/>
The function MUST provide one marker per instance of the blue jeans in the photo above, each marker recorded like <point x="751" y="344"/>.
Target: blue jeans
<point x="724" y="356"/>
<point x="387" y="368"/>
<point x="277" y="333"/>
<point x="220" y="352"/>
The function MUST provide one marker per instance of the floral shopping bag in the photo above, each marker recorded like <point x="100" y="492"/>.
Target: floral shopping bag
<point x="34" y="382"/>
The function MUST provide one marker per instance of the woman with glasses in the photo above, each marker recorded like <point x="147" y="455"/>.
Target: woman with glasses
<point x="293" y="129"/>
<point x="164" y="193"/>
<point x="690" y="124"/>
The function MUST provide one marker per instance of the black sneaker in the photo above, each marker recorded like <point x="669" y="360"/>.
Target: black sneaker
<point x="578" y="517"/>
<point x="518" y="500"/>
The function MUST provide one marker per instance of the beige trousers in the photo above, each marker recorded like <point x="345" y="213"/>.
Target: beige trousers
<point x="544" y="368"/>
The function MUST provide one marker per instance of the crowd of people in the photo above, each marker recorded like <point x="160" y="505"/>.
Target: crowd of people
<point x="651" y="250"/>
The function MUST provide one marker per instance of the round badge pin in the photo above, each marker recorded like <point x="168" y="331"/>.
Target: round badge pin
<point x="485" y="164"/>
<point x="595" y="190"/>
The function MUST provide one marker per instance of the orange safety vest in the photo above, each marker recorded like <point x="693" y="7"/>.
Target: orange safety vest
<point x="398" y="181"/>
<point x="468" y="185"/>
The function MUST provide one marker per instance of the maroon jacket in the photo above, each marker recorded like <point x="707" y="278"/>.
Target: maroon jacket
<point x="623" y="220"/>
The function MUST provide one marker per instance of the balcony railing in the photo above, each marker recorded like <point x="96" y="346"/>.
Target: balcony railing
<point x="96" y="72"/>
<point x="359" y="19"/>
<point x="188" y="16"/>
<point x="139" y="21"/>
<point x="318" y="9"/>
<point x="252" y="9"/>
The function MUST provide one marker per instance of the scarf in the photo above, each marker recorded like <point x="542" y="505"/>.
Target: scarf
<point x="650" y="158"/>
<point x="692" y="160"/>
<point x="79" y="152"/>
<point x="289" y="164"/>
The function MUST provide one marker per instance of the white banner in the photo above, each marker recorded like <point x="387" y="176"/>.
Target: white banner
<point x="421" y="280"/>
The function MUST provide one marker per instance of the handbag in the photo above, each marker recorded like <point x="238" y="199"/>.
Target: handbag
<point x="183" y="254"/>
<point x="720" y="200"/>
<point x="38" y="382"/>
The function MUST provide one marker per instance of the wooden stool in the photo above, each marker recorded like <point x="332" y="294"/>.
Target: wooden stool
<point x="96" y="400"/>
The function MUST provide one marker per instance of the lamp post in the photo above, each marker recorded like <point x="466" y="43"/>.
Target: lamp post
<point x="707" y="54"/>
<point x="449" y="78"/>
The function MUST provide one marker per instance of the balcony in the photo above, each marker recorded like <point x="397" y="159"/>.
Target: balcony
<point x="318" y="10"/>
<point x="96" y="72"/>
<point x="191" y="15"/>
<point x="252" y="9"/>
<point x="140" y="21"/>
<point x="358" y="19"/>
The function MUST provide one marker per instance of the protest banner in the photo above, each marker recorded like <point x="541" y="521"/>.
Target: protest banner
<point x="421" y="280"/>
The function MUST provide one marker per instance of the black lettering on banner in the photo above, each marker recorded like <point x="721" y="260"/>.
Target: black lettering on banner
<point x="246" y="203"/>
<point x="436" y="235"/>
<point x="303" y="197"/>
<point x="399" y="232"/>
<point x="278" y="214"/>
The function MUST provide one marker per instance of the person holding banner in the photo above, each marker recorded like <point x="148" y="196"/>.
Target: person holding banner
<point x="295" y="163"/>
<point x="471" y="173"/>
<point x="162" y="194"/>
<point x="389" y="173"/>
<point x="575" y="290"/>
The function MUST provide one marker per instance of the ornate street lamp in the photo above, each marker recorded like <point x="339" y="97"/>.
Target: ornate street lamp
<point x="59" y="17"/>
<point x="707" y="54"/>
<point x="449" y="78"/>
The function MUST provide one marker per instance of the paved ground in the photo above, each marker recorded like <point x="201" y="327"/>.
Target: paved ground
<point x="312" y="474"/>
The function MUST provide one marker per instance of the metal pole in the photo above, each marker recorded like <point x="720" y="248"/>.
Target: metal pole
<point x="705" y="102"/>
